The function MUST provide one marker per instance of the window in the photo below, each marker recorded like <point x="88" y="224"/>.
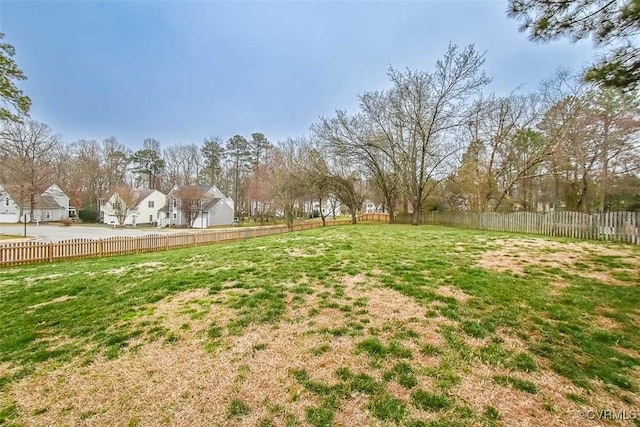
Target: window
<point x="151" y="204"/>
<point x="151" y="217"/>
<point x="48" y="215"/>
<point x="175" y="203"/>
<point x="175" y="215"/>
<point x="6" y="201"/>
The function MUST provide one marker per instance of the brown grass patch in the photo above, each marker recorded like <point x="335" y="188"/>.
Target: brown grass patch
<point x="30" y="280"/>
<point x="518" y="408"/>
<point x="184" y="384"/>
<point x="453" y="292"/>
<point x="604" y="322"/>
<point x="354" y="412"/>
<point x="63" y="298"/>
<point x="117" y="271"/>
<point x="541" y="253"/>
<point x="299" y="253"/>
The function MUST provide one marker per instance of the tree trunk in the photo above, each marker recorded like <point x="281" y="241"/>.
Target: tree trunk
<point x="354" y="219"/>
<point x="322" y="215"/>
<point x="391" y="208"/>
<point x="417" y="210"/>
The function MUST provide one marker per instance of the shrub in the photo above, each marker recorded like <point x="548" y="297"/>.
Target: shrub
<point x="88" y="215"/>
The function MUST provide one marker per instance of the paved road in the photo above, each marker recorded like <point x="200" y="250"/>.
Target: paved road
<point x="55" y="233"/>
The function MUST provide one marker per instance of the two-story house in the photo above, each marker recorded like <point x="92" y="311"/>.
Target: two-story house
<point x="203" y="206"/>
<point x="145" y="206"/>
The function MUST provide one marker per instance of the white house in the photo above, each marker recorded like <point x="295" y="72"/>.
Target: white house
<point x="331" y="206"/>
<point x="9" y="209"/>
<point x="51" y="205"/>
<point x="146" y="207"/>
<point x="212" y="206"/>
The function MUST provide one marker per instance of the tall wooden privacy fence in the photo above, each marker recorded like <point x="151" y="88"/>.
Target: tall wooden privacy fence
<point x="612" y="226"/>
<point x="34" y="251"/>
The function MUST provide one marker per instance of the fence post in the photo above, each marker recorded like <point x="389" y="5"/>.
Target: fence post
<point x="50" y="251"/>
<point x="195" y="240"/>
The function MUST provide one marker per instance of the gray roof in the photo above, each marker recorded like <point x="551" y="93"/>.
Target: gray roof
<point x="43" y="202"/>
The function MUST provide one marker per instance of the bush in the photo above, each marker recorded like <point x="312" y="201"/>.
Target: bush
<point x="66" y="222"/>
<point x="88" y="215"/>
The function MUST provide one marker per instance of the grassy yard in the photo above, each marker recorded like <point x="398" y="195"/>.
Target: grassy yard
<point x="352" y="325"/>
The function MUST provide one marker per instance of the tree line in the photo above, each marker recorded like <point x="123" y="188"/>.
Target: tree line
<point x="432" y="140"/>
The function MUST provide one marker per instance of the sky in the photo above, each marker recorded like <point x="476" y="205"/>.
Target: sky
<point x="181" y="71"/>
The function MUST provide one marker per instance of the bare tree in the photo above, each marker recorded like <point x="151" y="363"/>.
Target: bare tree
<point x="182" y="164"/>
<point x="27" y="150"/>
<point x="354" y="138"/>
<point x="122" y="203"/>
<point x="283" y="183"/>
<point x="314" y="176"/>
<point x="424" y="109"/>
<point x="192" y="200"/>
<point x="116" y="158"/>
<point x="504" y="151"/>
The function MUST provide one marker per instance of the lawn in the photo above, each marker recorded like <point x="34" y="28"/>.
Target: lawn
<point x="351" y="325"/>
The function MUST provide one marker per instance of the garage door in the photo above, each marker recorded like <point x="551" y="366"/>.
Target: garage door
<point x="8" y="217"/>
<point x="201" y="222"/>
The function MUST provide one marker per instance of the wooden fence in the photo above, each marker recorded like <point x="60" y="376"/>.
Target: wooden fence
<point x="33" y="251"/>
<point x="611" y="226"/>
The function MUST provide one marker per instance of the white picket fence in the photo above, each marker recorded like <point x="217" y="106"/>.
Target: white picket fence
<point x="610" y="226"/>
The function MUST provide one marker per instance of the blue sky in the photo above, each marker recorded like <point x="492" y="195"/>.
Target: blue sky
<point x="179" y="71"/>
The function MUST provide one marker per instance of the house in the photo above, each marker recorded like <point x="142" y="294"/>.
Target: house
<point x="50" y="205"/>
<point x="145" y="207"/>
<point x="370" y="207"/>
<point x="331" y="206"/>
<point x="9" y="208"/>
<point x="203" y="206"/>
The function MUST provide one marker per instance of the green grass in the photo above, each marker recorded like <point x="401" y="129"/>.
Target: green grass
<point x="387" y="408"/>
<point x="428" y="401"/>
<point x="517" y="383"/>
<point x="237" y="408"/>
<point x="70" y="314"/>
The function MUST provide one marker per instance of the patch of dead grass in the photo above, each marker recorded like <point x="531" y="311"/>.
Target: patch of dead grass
<point x="31" y="280"/>
<point x="542" y="253"/>
<point x="518" y="408"/>
<point x="453" y="292"/>
<point x="62" y="298"/>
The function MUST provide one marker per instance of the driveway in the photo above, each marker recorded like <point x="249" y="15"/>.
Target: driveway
<point x="55" y="233"/>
